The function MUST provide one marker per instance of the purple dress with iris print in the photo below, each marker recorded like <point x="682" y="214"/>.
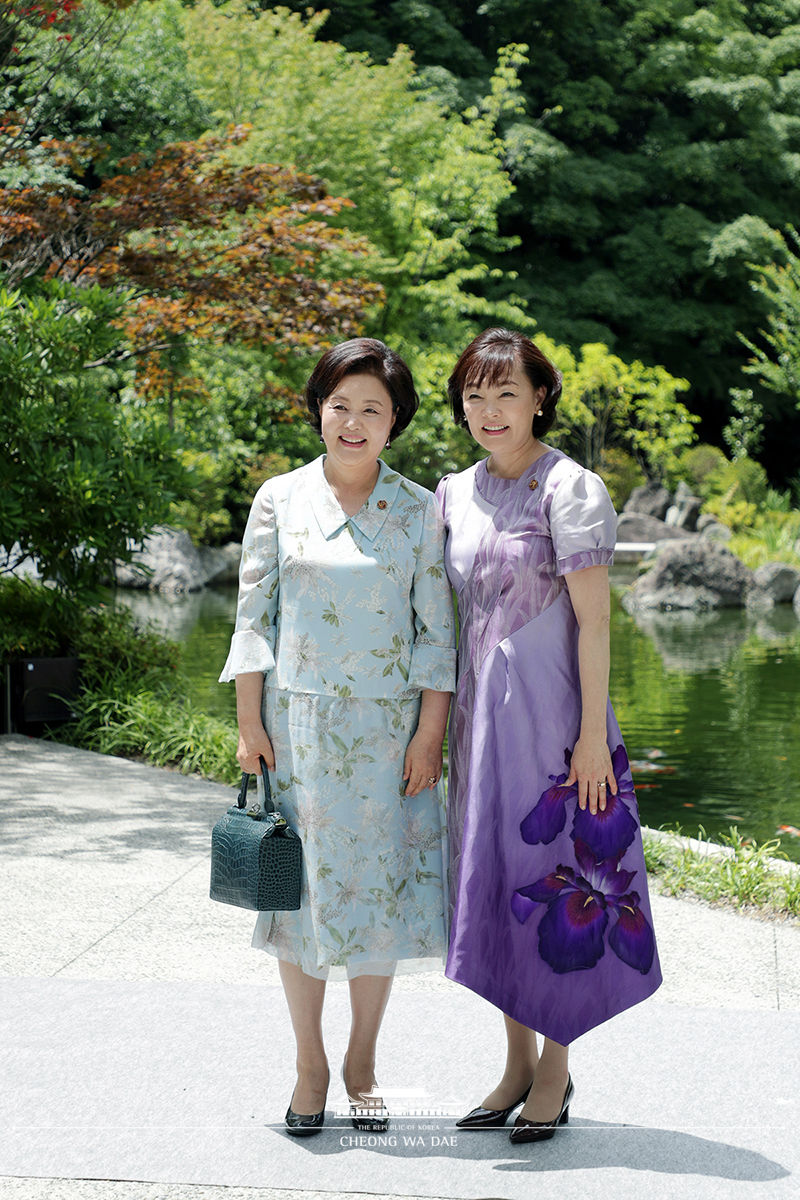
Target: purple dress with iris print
<point x="550" y="915"/>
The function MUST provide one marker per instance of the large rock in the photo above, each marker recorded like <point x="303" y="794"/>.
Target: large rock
<point x="221" y="563"/>
<point x="715" y="531"/>
<point x="685" y="510"/>
<point x="651" y="498"/>
<point x="169" y="561"/>
<point x="706" y="519"/>
<point x="639" y="527"/>
<point x="773" y="583"/>
<point x="692" y="574"/>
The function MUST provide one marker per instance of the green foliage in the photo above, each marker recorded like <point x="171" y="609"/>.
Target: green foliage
<point x="738" y="872"/>
<point x="426" y="183"/>
<point x="125" y="85"/>
<point x="82" y="472"/>
<point x="777" y="361"/>
<point x="203" y="513"/>
<point x="744" y="431"/>
<point x="736" y="514"/>
<point x="132" y="699"/>
<point x="607" y="402"/>
<point x="621" y="474"/>
<point x="162" y="729"/>
<point x="653" y="163"/>
<point x="773" y="536"/>
<point x="735" y="491"/>
<point x="696" y="464"/>
<point x="743" y="479"/>
<point x="433" y="445"/>
<point x="37" y="621"/>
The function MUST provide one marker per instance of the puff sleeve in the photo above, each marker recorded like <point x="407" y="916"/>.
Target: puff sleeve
<point x="583" y="524"/>
<point x="253" y="642"/>
<point x="433" y="655"/>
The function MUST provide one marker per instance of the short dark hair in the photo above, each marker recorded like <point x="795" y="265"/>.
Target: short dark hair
<point x="363" y="356"/>
<point x="490" y="357"/>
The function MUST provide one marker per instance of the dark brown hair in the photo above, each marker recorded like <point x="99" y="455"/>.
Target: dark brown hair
<point x="490" y="358"/>
<point x="363" y="356"/>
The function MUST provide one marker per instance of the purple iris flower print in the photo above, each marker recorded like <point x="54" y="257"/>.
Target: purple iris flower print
<point x="549" y="815"/>
<point x="607" y="833"/>
<point x="580" y="905"/>
<point x="611" y="830"/>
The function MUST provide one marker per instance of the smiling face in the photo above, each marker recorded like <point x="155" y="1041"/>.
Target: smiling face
<point x="500" y="414"/>
<point x="357" y="419"/>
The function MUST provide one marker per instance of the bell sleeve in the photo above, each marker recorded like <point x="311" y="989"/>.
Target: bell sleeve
<point x="433" y="655"/>
<point x="253" y="642"/>
<point x="583" y="524"/>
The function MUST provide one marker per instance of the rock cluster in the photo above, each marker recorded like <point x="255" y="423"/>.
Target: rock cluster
<point x="169" y="561"/>
<point x="698" y="575"/>
<point x="692" y="570"/>
<point x="652" y="514"/>
<point x="691" y="574"/>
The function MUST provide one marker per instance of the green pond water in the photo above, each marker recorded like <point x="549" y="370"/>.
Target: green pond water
<point x="709" y="705"/>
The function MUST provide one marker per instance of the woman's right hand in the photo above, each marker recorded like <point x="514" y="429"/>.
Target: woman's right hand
<point x="253" y="742"/>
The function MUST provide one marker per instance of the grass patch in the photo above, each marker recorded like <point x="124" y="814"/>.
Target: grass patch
<point x="133" y="690"/>
<point x="155" y="726"/>
<point x="735" y="871"/>
<point x="773" y="537"/>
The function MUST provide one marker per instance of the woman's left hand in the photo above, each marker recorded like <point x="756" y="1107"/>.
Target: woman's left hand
<point x="423" y="763"/>
<point x="590" y="767"/>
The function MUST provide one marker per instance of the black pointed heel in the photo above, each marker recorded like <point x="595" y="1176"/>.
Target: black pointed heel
<point x="302" y="1125"/>
<point x="541" y="1131"/>
<point x="491" y="1118"/>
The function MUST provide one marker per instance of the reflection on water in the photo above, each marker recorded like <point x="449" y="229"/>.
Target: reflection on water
<point x="202" y="622"/>
<point x="709" y="704"/>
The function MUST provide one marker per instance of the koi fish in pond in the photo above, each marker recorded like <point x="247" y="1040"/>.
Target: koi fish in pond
<point x="792" y="830"/>
<point x="643" y="766"/>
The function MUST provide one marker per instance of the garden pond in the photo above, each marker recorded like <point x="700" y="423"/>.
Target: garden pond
<point x="709" y="705"/>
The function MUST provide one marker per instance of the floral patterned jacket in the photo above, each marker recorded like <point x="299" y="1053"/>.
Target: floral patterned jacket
<point x="349" y="606"/>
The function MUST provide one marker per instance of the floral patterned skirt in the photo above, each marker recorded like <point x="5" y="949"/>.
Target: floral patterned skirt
<point x="373" y="858"/>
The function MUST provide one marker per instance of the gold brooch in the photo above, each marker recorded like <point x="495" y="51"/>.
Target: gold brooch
<point x="381" y="504"/>
<point x="534" y="483"/>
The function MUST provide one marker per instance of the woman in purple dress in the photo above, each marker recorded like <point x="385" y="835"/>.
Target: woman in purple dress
<point x="550" y="915"/>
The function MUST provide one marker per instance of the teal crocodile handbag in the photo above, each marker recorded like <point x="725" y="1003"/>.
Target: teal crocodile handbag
<point x="256" y="859"/>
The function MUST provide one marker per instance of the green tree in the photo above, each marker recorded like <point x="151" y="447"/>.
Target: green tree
<point x="84" y="471"/>
<point x="776" y="360"/>
<point x="129" y="90"/>
<point x="608" y="403"/>
<point x="655" y="161"/>
<point x="426" y="184"/>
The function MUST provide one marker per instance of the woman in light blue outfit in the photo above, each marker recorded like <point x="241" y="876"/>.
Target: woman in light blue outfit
<point x="344" y="661"/>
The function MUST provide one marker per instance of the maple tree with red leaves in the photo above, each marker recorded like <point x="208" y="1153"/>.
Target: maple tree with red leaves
<point x="209" y="250"/>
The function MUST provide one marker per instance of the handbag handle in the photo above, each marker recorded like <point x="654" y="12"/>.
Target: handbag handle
<point x="241" y="799"/>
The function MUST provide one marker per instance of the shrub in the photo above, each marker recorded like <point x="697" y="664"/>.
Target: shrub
<point x="696" y="464"/>
<point x="133" y="693"/>
<point x="621" y="474"/>
<point x="744" y="479"/>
